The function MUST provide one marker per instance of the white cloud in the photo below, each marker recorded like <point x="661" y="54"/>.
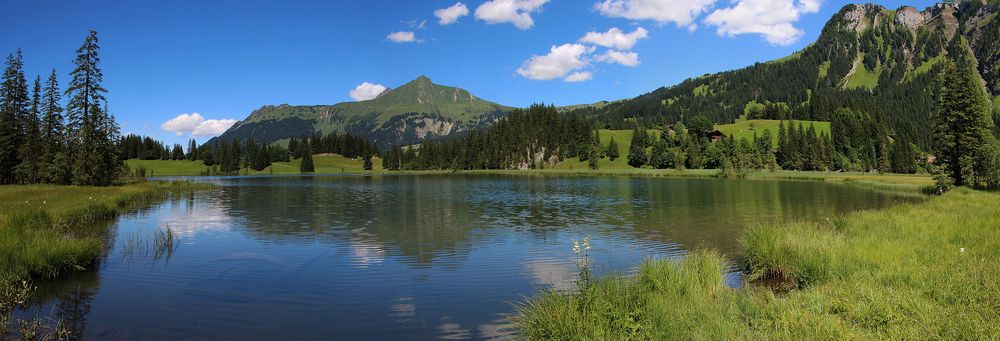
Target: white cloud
<point x="772" y="19"/>
<point x="517" y="12"/>
<point x="183" y="123"/>
<point x="630" y="59"/>
<point x="451" y="14"/>
<point x="213" y="127"/>
<point x="196" y="125"/>
<point x="680" y="12"/>
<point x="402" y="37"/>
<point x="579" y="76"/>
<point x="560" y="61"/>
<point x="615" y="38"/>
<point x="366" y="91"/>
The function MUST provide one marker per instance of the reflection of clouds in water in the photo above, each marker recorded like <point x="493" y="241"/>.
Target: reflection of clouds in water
<point x="187" y="220"/>
<point x="558" y="274"/>
<point x="403" y="309"/>
<point x="499" y="329"/>
<point x="452" y="331"/>
<point x="365" y="253"/>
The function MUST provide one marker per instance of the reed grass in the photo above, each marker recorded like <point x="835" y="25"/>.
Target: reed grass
<point x="914" y="271"/>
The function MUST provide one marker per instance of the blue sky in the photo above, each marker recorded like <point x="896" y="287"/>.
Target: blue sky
<point x="223" y="59"/>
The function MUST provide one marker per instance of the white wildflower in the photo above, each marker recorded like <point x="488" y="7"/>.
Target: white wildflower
<point x="961" y="250"/>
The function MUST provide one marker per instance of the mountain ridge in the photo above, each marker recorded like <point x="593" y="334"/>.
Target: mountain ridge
<point x="416" y="111"/>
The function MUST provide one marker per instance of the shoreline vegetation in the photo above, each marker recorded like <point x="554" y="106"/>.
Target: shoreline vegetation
<point x="48" y="230"/>
<point x="332" y="164"/>
<point x="912" y="271"/>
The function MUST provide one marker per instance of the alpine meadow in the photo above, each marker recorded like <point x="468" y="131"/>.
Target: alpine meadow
<point x="597" y="170"/>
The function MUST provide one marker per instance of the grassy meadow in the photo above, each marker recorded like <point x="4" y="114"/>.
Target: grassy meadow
<point x="46" y="230"/>
<point x="915" y="271"/>
<point x="323" y="163"/>
<point x="747" y="128"/>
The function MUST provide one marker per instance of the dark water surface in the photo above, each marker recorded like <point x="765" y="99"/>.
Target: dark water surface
<point x="402" y="257"/>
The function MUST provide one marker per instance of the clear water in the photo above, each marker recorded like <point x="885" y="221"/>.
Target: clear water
<point x="402" y="257"/>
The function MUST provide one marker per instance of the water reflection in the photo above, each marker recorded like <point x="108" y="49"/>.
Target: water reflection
<point x="405" y="256"/>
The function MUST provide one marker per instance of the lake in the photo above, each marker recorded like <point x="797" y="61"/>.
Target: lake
<point x="402" y="257"/>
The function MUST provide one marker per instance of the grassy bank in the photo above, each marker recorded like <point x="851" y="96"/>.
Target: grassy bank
<point x="46" y="230"/>
<point x="919" y="271"/>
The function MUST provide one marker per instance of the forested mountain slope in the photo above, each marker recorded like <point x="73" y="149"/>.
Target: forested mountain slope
<point x="869" y="58"/>
<point x="416" y="111"/>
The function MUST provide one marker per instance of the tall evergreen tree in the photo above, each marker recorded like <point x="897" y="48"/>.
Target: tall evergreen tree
<point x="55" y="165"/>
<point x="92" y="129"/>
<point x="14" y="103"/>
<point x="613" y="149"/>
<point x="637" y="149"/>
<point x="307" y="160"/>
<point x="962" y="126"/>
<point x="28" y="171"/>
<point x="192" y="150"/>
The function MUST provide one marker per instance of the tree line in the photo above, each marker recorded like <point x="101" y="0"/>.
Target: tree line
<point x="41" y="141"/>
<point x="134" y="146"/>
<point x="536" y="137"/>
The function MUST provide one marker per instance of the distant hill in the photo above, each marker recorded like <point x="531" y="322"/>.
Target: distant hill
<point x="867" y="57"/>
<point x="417" y="111"/>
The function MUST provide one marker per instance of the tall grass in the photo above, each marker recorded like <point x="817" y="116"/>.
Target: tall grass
<point x="65" y="228"/>
<point x="916" y="271"/>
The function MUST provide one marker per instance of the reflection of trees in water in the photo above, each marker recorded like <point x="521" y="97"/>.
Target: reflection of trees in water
<point x="712" y="213"/>
<point x="420" y="218"/>
<point x="67" y="301"/>
<point x="433" y="218"/>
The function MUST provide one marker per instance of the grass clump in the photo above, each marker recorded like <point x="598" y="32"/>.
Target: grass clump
<point x="914" y="271"/>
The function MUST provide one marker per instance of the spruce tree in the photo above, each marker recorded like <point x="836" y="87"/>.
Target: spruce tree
<point x="613" y="149"/>
<point x="55" y="166"/>
<point x="29" y="152"/>
<point x="92" y="129"/>
<point x="367" y="161"/>
<point x="14" y="103"/>
<point x="637" y="149"/>
<point x="962" y="127"/>
<point x="781" y="154"/>
<point x="307" y="160"/>
<point x="192" y="150"/>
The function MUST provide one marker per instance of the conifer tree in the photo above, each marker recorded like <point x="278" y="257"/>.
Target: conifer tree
<point x="192" y="150"/>
<point x="307" y="160"/>
<point x="963" y="135"/>
<point x="637" y="149"/>
<point x="55" y="165"/>
<point x="92" y="129"/>
<point x="367" y="161"/>
<point x="28" y="169"/>
<point x="13" y="108"/>
<point x="613" y="149"/>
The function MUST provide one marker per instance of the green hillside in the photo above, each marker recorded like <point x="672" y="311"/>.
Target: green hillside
<point x="863" y="77"/>
<point x="416" y="111"/>
<point x="747" y="128"/>
<point x="867" y="58"/>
